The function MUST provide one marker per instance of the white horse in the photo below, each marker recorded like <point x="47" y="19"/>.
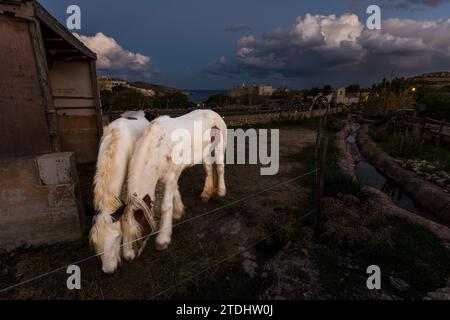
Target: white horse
<point x="116" y="148"/>
<point x="167" y="147"/>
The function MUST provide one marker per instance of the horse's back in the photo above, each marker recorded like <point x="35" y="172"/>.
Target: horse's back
<point x="208" y="119"/>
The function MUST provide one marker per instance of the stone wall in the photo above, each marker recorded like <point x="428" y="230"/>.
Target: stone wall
<point x="264" y="118"/>
<point x="40" y="200"/>
<point x="239" y="117"/>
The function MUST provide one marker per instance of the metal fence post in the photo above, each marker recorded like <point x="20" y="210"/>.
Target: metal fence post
<point x="323" y="146"/>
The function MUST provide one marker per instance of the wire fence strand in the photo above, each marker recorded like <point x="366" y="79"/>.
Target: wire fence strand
<point x="213" y="211"/>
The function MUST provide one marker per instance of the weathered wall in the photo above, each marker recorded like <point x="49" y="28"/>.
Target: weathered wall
<point x="75" y="103"/>
<point x="23" y="126"/>
<point x="39" y="200"/>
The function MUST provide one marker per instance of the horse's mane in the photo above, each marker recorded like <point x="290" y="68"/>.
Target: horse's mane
<point x="104" y="197"/>
<point x="134" y="229"/>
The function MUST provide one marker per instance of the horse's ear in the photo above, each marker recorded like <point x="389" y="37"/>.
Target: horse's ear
<point x="150" y="116"/>
<point x="148" y="201"/>
<point x="139" y="216"/>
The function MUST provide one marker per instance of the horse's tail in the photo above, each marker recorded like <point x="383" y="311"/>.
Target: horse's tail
<point x="219" y="125"/>
<point x="111" y="169"/>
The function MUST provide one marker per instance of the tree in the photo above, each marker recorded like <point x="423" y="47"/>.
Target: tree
<point x="353" y="88"/>
<point x="327" y="89"/>
<point x="314" y="91"/>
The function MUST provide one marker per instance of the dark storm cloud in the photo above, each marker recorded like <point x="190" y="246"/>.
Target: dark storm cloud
<point x="399" y="4"/>
<point x="404" y="4"/>
<point x="331" y="47"/>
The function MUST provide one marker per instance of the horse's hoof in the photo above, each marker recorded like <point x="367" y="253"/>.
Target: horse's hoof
<point x="221" y="192"/>
<point x="178" y="214"/>
<point x="129" y="255"/>
<point x="162" y="245"/>
<point x="205" y="197"/>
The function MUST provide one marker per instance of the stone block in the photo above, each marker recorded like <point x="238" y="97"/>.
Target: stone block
<point x="40" y="200"/>
<point x="56" y="168"/>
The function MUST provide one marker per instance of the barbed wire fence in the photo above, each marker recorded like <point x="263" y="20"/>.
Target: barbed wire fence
<point x="319" y="171"/>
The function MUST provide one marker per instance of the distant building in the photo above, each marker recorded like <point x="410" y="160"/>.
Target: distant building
<point x="108" y="83"/>
<point x="344" y="98"/>
<point x="265" y="90"/>
<point x="237" y="92"/>
<point x="242" y="91"/>
<point x="364" y="94"/>
<point x="146" y="92"/>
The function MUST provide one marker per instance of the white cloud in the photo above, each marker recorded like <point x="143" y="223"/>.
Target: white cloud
<point x="334" y="47"/>
<point x="111" y="56"/>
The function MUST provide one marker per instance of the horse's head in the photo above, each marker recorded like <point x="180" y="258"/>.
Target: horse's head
<point x="106" y="238"/>
<point x="137" y="224"/>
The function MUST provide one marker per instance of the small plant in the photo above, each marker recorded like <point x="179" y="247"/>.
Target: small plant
<point x="396" y="125"/>
<point x="378" y="133"/>
<point x="334" y="124"/>
<point x="338" y="182"/>
<point x="381" y="120"/>
<point x="407" y="144"/>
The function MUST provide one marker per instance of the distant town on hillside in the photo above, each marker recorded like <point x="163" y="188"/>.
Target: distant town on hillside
<point x="118" y="94"/>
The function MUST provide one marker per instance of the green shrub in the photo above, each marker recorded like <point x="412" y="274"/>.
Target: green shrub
<point x="396" y="125"/>
<point x="338" y="182"/>
<point x="378" y="133"/>
<point x="417" y="254"/>
<point x="407" y="144"/>
<point x="381" y="120"/>
<point x="334" y="124"/>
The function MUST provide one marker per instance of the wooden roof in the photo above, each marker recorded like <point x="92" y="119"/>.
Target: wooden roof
<point x="61" y="40"/>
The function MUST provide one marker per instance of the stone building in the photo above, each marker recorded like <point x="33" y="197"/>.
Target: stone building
<point x="108" y="83"/>
<point x="50" y="121"/>
<point x="265" y="90"/>
<point x="341" y="97"/>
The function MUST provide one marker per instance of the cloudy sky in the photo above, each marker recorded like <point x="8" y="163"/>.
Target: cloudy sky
<point x="211" y="44"/>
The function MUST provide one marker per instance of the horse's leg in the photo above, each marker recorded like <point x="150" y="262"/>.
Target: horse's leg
<point x="219" y="167"/>
<point x="178" y="206"/>
<point x="208" y="189"/>
<point x="165" y="230"/>
<point x="221" y="188"/>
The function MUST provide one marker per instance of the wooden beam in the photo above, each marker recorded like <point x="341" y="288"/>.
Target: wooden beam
<point x="54" y="39"/>
<point x="96" y="94"/>
<point x="46" y="91"/>
<point x="62" y="31"/>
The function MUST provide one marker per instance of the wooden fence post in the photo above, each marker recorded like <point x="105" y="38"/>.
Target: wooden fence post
<point x="439" y="137"/>
<point x="320" y="182"/>
<point x="422" y="128"/>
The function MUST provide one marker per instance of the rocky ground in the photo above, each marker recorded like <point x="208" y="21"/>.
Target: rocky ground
<point x="431" y="171"/>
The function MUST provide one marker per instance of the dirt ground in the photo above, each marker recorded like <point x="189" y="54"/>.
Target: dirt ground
<point x="196" y="245"/>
